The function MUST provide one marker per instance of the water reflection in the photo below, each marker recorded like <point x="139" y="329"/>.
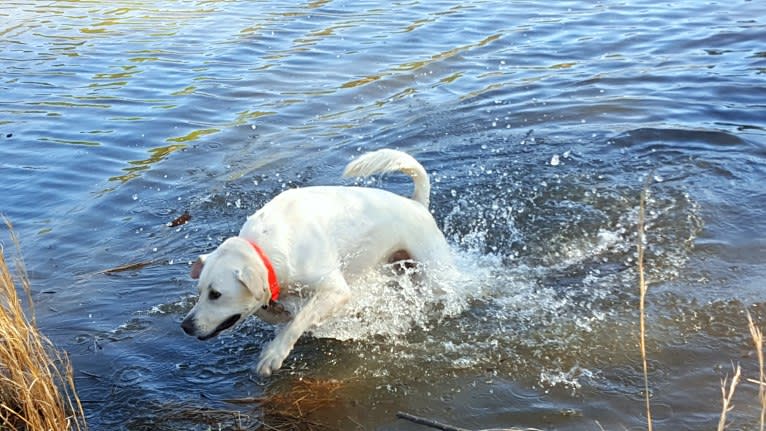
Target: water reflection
<point x="139" y="110"/>
<point x="156" y="155"/>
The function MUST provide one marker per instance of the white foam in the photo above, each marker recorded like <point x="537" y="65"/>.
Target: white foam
<point x="387" y="304"/>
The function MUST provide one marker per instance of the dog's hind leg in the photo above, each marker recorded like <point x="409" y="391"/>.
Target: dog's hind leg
<point x="401" y="261"/>
<point x="330" y="295"/>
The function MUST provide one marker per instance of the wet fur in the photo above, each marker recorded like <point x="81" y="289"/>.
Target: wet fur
<point x="318" y="239"/>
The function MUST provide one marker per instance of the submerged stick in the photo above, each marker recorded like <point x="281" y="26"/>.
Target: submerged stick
<point x="642" y="296"/>
<point x="428" y="422"/>
<point x="128" y="267"/>
<point x="444" y="427"/>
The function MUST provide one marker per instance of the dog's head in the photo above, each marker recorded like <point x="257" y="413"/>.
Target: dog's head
<point x="233" y="284"/>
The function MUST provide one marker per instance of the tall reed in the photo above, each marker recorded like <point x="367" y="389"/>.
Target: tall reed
<point x="757" y="336"/>
<point x="727" y="395"/>
<point x="642" y="287"/>
<point x="37" y="390"/>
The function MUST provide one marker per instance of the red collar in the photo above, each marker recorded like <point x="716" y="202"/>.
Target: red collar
<point x="273" y="283"/>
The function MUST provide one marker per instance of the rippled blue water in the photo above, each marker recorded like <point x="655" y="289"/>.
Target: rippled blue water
<point x="539" y="122"/>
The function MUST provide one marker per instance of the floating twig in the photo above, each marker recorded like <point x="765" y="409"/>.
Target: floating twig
<point x="180" y="220"/>
<point x="128" y="267"/>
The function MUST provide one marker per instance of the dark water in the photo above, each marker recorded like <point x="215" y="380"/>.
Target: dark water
<point x="539" y="123"/>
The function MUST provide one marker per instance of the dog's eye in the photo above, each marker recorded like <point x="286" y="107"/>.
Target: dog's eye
<point x="213" y="295"/>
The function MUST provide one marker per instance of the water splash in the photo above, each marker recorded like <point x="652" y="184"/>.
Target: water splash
<point x="387" y="304"/>
<point x="547" y="284"/>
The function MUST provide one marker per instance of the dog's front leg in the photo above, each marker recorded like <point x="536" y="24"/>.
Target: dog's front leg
<point x="331" y="293"/>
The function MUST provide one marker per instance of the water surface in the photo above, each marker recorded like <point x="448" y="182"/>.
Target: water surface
<point x="539" y="124"/>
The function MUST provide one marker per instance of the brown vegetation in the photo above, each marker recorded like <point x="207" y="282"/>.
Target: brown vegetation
<point x="37" y="389"/>
<point x="291" y="408"/>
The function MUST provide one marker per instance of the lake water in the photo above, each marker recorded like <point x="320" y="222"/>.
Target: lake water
<point x="539" y="122"/>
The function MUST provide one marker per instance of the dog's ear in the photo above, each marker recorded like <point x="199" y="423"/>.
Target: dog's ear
<point x="251" y="280"/>
<point x="196" y="268"/>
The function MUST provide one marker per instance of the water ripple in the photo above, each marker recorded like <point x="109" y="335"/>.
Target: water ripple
<point x="537" y="124"/>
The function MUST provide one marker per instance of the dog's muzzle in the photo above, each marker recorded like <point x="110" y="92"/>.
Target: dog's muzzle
<point x="190" y="328"/>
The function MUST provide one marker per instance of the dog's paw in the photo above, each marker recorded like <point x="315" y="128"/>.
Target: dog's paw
<point x="271" y="360"/>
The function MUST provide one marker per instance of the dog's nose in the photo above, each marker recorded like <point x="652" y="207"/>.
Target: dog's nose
<point x="188" y="326"/>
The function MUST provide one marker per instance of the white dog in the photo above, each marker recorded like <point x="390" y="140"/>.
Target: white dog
<point x="306" y="245"/>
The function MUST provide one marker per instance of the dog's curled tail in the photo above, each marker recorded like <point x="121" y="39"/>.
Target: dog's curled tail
<point x="387" y="160"/>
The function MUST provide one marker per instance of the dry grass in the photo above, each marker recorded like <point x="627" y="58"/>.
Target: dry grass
<point x="182" y="416"/>
<point x="37" y="389"/>
<point x="727" y="395"/>
<point x="293" y="409"/>
<point x="757" y="336"/>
